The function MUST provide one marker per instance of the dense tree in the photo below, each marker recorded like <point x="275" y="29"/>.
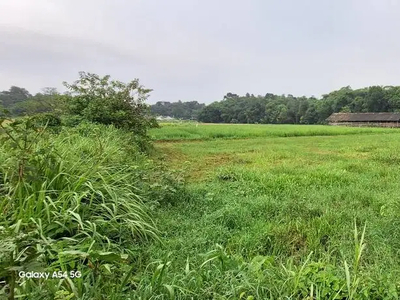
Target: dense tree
<point x="180" y="110"/>
<point x="13" y="96"/>
<point x="310" y="115"/>
<point x="211" y="114"/>
<point x="376" y="99"/>
<point x="49" y="100"/>
<point x="289" y="109"/>
<point x="230" y="95"/>
<point x="394" y="99"/>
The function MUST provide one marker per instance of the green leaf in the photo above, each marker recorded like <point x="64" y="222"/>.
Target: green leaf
<point x="171" y="291"/>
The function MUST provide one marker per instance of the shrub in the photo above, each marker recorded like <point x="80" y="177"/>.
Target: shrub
<point x="71" y="120"/>
<point x="48" y="120"/>
<point x="101" y="100"/>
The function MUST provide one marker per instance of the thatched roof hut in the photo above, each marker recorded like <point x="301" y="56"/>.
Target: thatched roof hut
<point x="384" y="119"/>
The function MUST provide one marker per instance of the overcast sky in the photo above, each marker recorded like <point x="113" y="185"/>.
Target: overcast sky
<point x="201" y="49"/>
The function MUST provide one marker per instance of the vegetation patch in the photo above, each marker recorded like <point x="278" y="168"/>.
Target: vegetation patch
<point x="196" y="132"/>
<point x="244" y="212"/>
<point x="285" y="223"/>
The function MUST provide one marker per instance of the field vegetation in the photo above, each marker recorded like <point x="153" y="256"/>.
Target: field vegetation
<point x="204" y="131"/>
<point x="284" y="217"/>
<point x="90" y="185"/>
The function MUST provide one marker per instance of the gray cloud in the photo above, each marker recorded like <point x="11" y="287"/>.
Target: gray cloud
<point x="199" y="50"/>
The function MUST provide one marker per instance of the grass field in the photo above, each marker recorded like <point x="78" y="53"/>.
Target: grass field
<point x="265" y="212"/>
<point x="193" y="131"/>
<point x="277" y="214"/>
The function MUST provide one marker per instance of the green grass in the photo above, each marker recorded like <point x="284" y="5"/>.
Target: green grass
<point x="79" y="201"/>
<point x="194" y="131"/>
<point x="290" y="203"/>
<point x="267" y="212"/>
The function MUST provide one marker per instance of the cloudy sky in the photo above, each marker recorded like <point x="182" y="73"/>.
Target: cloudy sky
<point x="202" y="49"/>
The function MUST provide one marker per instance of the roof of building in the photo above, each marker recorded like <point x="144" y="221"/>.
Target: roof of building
<point x="364" y="117"/>
<point x="164" y="118"/>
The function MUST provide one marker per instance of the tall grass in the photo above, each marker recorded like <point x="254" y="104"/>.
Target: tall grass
<point x="219" y="274"/>
<point x="73" y="201"/>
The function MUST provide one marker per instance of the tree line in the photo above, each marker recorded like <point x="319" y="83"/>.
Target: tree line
<point x="267" y="109"/>
<point x="288" y="109"/>
<point x="180" y="110"/>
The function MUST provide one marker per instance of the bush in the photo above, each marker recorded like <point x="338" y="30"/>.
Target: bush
<point x="71" y="120"/>
<point x="101" y="100"/>
<point x="48" y="120"/>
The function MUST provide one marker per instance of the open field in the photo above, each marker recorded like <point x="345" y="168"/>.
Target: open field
<point x="193" y="131"/>
<point x="284" y="210"/>
<point x="279" y="216"/>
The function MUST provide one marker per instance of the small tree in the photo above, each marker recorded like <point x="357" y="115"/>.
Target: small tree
<point x="101" y="100"/>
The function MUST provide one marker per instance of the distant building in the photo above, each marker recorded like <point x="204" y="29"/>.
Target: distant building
<point x="385" y="119"/>
<point x="161" y="118"/>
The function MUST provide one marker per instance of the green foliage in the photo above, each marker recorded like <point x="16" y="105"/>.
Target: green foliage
<point x="179" y="110"/>
<point x="73" y="201"/>
<point x="167" y="187"/>
<point x="72" y="120"/>
<point x="271" y="219"/>
<point x="267" y="218"/>
<point x="211" y="114"/>
<point x="195" y="131"/>
<point x="47" y="101"/>
<point x="13" y="96"/>
<point x="221" y="275"/>
<point x="287" y="109"/>
<point x="21" y="103"/>
<point x="282" y="210"/>
<point x="110" y="102"/>
<point x="99" y="99"/>
<point x="50" y="121"/>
